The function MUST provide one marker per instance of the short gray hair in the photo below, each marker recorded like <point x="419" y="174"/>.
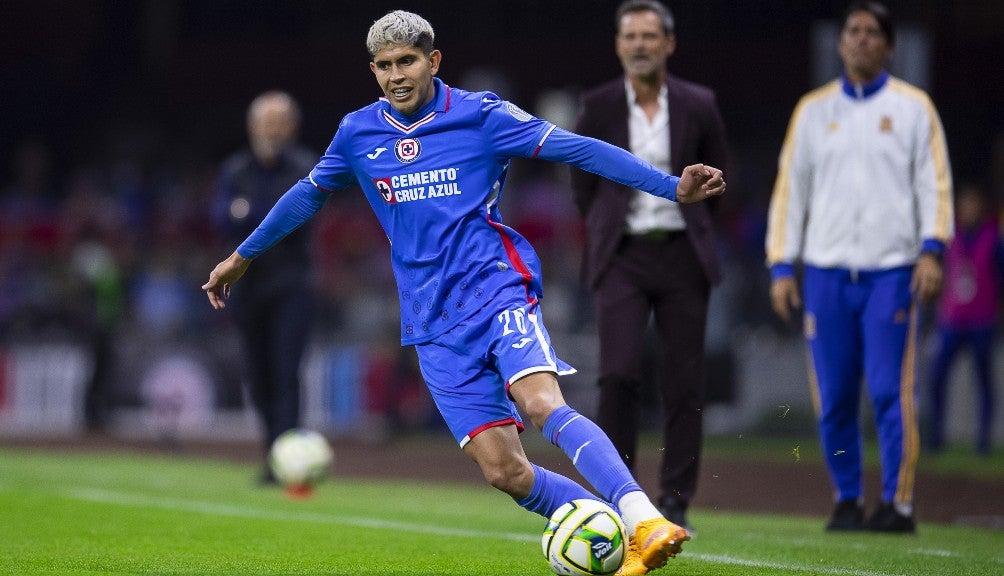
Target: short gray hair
<point x="400" y="28"/>
<point x="279" y="97"/>
<point x="660" y="9"/>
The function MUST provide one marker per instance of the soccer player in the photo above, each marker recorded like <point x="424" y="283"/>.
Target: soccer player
<point x="432" y="161"/>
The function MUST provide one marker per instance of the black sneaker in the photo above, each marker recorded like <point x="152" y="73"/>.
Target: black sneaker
<point x="887" y="519"/>
<point x="847" y="516"/>
<point x="676" y="512"/>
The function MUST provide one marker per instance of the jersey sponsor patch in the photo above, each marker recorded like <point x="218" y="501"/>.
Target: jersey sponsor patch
<point x="424" y="185"/>
<point x="386" y="191"/>
<point x="518" y="113"/>
<point x="407" y="150"/>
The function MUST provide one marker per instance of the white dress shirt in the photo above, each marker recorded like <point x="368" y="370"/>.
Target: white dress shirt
<point x="649" y="140"/>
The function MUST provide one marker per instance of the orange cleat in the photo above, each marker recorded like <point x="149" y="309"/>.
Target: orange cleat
<point x="654" y="542"/>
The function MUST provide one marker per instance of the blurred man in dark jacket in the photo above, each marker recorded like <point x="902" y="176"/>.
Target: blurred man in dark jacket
<point x="271" y="309"/>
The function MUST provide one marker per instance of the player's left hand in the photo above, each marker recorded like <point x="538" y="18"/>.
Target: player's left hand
<point x="698" y="182"/>
<point x="927" y="278"/>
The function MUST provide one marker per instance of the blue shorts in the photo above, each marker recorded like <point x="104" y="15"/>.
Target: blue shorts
<point x="469" y="369"/>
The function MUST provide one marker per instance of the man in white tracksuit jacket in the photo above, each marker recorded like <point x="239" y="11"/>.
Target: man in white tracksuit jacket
<point x="863" y="201"/>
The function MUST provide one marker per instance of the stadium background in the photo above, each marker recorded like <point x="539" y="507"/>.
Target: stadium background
<point x="115" y="114"/>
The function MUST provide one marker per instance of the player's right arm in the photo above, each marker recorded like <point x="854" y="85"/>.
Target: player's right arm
<point x="295" y="207"/>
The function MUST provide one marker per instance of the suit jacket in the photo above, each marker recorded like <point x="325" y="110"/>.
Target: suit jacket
<point x="697" y="135"/>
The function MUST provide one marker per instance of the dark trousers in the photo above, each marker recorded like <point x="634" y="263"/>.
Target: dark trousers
<point x="660" y="279"/>
<point x="275" y="331"/>
<point x="952" y="340"/>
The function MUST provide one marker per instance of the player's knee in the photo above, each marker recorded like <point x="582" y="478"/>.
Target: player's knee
<point x="539" y="413"/>
<point x="538" y="395"/>
<point x="538" y="407"/>
<point x="512" y="477"/>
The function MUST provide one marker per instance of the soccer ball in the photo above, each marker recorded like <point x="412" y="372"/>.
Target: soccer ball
<point x="300" y="458"/>
<point x="584" y="537"/>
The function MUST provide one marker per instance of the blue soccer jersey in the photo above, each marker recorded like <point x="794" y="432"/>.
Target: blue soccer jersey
<point x="434" y="181"/>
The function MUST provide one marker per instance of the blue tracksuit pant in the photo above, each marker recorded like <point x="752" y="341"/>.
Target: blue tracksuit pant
<point x="863" y="324"/>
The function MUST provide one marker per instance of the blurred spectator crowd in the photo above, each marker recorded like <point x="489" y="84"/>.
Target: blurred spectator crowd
<point x="110" y="257"/>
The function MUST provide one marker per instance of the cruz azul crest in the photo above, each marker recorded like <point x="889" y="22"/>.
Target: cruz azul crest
<point x="407" y="150"/>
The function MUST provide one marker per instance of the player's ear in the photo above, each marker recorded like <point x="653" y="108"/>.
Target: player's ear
<point x="435" y="57"/>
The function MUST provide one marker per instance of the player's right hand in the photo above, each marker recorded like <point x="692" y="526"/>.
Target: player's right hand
<point x="222" y="277"/>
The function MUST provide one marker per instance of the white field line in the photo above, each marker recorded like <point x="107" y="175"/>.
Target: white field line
<point x="797" y="568"/>
<point x="217" y="509"/>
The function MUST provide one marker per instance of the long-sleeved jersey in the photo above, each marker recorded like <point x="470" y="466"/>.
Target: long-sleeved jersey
<point x="434" y="181"/>
<point x="864" y="181"/>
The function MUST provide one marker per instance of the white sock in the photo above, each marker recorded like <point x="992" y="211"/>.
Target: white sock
<point x="635" y="507"/>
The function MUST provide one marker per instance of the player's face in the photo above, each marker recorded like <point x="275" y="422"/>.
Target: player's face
<point x="642" y="45"/>
<point x="405" y="73"/>
<point x="863" y="47"/>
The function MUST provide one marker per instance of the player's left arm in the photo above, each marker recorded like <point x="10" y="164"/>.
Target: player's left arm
<point x="513" y="132"/>
<point x="695" y="183"/>
<point x="585" y="184"/>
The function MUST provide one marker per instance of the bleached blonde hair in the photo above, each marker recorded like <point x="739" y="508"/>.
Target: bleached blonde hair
<point x="400" y="28"/>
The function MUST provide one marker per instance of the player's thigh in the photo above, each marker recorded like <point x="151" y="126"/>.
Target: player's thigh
<point x="498" y="447"/>
<point x="467" y="389"/>
<point x="520" y="345"/>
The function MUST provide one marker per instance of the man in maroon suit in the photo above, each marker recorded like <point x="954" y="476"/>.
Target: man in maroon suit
<point x="651" y="259"/>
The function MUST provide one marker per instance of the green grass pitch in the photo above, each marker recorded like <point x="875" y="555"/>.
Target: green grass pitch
<point x="90" y="514"/>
